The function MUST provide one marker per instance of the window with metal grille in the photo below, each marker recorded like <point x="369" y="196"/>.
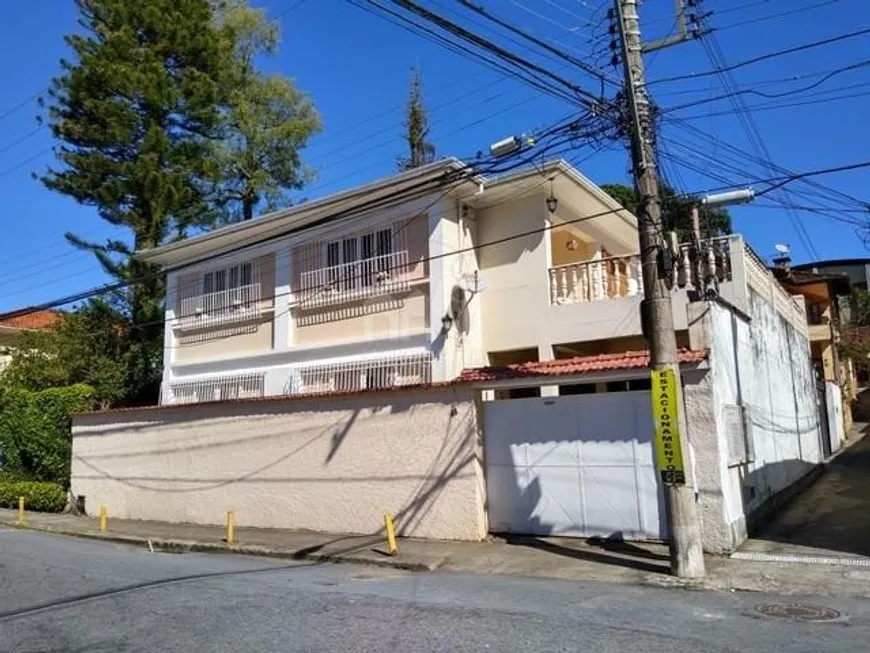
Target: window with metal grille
<point x="351" y="376"/>
<point x="224" y="295"/>
<point x="223" y="388"/>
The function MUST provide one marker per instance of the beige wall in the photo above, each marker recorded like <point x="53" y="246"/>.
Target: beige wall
<point x="325" y="464"/>
<point x="561" y="255"/>
<point x="363" y="319"/>
<point x="225" y="341"/>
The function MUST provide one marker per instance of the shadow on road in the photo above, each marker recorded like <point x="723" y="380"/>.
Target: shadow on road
<point x="613" y="552"/>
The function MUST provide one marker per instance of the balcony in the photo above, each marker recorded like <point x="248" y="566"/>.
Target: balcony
<point x="372" y="277"/>
<point x="595" y="280"/>
<point x="233" y="305"/>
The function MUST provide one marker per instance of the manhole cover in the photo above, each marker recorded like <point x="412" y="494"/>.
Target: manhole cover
<point x="798" y="611"/>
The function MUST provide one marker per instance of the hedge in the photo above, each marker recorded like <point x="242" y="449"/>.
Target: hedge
<point x="38" y="496"/>
<point x="35" y="436"/>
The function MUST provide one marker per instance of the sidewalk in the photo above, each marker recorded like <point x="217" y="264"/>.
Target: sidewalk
<point x="566" y="559"/>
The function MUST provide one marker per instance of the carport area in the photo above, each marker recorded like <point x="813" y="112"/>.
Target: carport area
<point x="830" y="519"/>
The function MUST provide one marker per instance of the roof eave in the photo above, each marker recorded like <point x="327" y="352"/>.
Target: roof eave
<point x="173" y="254"/>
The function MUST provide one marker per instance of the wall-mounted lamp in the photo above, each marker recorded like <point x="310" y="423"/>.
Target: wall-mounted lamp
<point x="446" y="322"/>
<point x="552" y="202"/>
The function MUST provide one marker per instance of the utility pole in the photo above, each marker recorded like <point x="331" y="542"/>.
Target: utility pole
<point x="686" y="553"/>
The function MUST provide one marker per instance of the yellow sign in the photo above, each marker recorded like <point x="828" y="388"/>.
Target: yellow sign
<point x="669" y="455"/>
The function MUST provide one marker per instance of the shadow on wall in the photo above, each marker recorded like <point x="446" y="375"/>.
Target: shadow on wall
<point x="535" y="486"/>
<point x="185" y="420"/>
<point x="832" y="514"/>
<point x="612" y="549"/>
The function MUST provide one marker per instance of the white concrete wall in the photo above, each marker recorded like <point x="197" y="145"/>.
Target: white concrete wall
<point x="836" y="425"/>
<point x="764" y="365"/>
<point x="332" y="464"/>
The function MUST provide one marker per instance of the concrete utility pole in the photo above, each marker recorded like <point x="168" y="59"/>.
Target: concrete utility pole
<point x="686" y="553"/>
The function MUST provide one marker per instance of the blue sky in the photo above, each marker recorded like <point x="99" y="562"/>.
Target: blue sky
<point x="355" y="66"/>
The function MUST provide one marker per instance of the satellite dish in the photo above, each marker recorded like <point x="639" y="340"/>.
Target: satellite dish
<point x="782" y="249"/>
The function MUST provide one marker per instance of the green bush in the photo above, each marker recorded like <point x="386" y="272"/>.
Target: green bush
<point x="38" y="496"/>
<point x="35" y="436"/>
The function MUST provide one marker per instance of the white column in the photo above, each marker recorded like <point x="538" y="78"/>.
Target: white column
<point x="439" y="343"/>
<point x="281" y="321"/>
<point x="169" y="339"/>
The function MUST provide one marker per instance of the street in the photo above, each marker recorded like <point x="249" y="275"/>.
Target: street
<point x="62" y="594"/>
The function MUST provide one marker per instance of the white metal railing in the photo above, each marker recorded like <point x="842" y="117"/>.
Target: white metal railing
<point x="590" y="281"/>
<point x="222" y="307"/>
<point x="355" y="375"/>
<point x="221" y="388"/>
<point x="371" y="277"/>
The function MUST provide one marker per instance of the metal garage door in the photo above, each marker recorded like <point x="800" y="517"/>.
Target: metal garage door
<point x="579" y="466"/>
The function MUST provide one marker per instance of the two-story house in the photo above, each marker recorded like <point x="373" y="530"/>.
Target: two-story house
<point x="407" y="280"/>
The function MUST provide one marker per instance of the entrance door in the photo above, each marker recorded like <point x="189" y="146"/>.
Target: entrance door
<point x="577" y="466"/>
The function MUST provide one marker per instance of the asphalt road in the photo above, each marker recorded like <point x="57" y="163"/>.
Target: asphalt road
<point x="67" y="595"/>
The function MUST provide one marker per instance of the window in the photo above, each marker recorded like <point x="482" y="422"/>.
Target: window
<point x="360" y="261"/>
<point x="352" y="376"/>
<point x="242" y="386"/>
<point x="226" y="294"/>
<point x="228" y="278"/>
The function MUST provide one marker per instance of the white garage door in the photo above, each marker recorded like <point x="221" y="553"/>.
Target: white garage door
<point x="578" y="466"/>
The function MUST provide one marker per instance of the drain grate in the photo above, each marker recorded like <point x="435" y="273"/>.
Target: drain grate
<point x="798" y="611"/>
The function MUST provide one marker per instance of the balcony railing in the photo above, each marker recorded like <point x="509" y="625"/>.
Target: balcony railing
<point x="223" y="307"/>
<point x="595" y="280"/>
<point x="371" y="277"/>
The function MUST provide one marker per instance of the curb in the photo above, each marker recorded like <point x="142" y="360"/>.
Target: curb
<point x="188" y="546"/>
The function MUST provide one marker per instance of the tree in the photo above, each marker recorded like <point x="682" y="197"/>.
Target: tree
<point x="91" y="345"/>
<point x="136" y="110"/>
<point x="676" y="212"/>
<point x="267" y="120"/>
<point x="416" y="124"/>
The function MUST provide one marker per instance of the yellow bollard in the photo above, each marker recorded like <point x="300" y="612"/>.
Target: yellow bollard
<point x="20" y="511"/>
<point x="391" y="534"/>
<point x="231" y="527"/>
<point x="104" y="519"/>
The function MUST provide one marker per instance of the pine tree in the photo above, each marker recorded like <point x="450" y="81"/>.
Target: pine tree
<point x="416" y="124"/>
<point x="136" y="109"/>
<point x="267" y="121"/>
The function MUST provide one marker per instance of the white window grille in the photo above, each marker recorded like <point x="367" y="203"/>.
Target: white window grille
<point x="225" y="295"/>
<point x="222" y="388"/>
<point x="359" y="266"/>
<point x="350" y="376"/>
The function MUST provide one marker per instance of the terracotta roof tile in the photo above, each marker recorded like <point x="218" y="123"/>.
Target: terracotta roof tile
<point x="37" y="321"/>
<point x="628" y="360"/>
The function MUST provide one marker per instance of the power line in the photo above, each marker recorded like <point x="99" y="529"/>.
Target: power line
<point x="782" y="14"/>
<point x="748" y="91"/>
<point x="599" y="74"/>
<point x="717" y="58"/>
<point x="583" y="96"/>
<point x="763" y="57"/>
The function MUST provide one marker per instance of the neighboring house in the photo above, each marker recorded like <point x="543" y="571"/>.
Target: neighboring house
<point x="822" y="293"/>
<point x="856" y="269"/>
<point x="470" y="360"/>
<point x="11" y="330"/>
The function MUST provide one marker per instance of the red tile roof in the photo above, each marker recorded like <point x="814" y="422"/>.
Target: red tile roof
<point x="628" y="360"/>
<point x="37" y="321"/>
